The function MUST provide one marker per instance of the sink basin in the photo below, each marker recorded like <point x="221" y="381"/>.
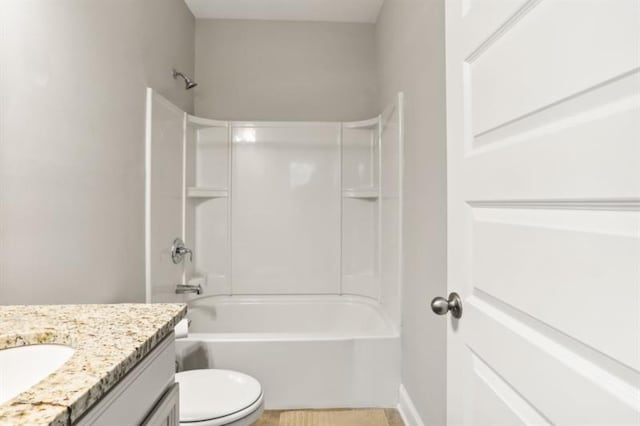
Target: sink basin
<point x="23" y="366"/>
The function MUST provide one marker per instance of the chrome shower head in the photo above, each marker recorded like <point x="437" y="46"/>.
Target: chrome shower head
<point x="188" y="83"/>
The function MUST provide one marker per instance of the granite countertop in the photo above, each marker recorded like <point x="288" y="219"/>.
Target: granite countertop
<point x="109" y="341"/>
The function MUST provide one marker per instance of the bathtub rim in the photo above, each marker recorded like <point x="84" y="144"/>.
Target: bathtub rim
<point x="391" y="330"/>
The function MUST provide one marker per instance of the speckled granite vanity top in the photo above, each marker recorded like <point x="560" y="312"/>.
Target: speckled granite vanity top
<point x="109" y="341"/>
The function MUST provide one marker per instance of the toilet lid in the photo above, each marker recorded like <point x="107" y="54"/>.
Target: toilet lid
<point x="210" y="394"/>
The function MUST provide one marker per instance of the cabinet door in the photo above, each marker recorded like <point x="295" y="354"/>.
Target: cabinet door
<point x="167" y="410"/>
<point x="132" y="399"/>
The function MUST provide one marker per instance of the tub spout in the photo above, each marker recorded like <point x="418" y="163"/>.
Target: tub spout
<point x="187" y="288"/>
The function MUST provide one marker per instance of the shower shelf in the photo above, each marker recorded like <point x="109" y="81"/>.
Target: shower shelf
<point x="206" y="192"/>
<point x="367" y="193"/>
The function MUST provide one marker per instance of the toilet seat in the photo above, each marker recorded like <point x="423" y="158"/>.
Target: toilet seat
<point x="212" y="397"/>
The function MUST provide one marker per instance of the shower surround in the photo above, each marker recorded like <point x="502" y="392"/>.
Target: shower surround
<point x="295" y="229"/>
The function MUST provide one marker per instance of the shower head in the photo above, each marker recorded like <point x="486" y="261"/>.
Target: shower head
<point x="188" y="83"/>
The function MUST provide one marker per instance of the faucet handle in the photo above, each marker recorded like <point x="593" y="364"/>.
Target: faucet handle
<point x="178" y="251"/>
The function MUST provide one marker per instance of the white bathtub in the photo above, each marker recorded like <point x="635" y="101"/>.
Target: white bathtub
<point x="308" y="352"/>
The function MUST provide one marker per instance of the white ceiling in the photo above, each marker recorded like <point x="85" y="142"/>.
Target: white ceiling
<point x="288" y="10"/>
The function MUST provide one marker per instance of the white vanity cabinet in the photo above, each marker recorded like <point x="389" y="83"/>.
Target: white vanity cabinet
<point x="147" y="395"/>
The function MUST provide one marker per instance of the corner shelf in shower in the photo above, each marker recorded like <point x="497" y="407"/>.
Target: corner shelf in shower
<point x="365" y="194"/>
<point x="206" y="192"/>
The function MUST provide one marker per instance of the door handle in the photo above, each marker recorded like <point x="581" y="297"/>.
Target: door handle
<point x="440" y="305"/>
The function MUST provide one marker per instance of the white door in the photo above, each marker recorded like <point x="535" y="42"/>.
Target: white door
<point x="543" y="103"/>
<point x="164" y="196"/>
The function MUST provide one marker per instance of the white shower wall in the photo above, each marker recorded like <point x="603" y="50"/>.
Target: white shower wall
<point x="360" y="208"/>
<point x="292" y="208"/>
<point x="285" y="208"/>
<point x="207" y="205"/>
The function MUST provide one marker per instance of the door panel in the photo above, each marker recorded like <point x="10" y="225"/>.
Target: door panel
<point x="547" y="55"/>
<point x="497" y="402"/>
<point x="571" y="151"/>
<point x="543" y="106"/>
<point x="564" y="386"/>
<point x="533" y="259"/>
<point x="482" y="17"/>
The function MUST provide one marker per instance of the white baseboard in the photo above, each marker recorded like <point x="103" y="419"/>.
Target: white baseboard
<point x="407" y="410"/>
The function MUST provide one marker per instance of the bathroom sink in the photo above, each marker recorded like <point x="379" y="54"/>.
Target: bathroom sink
<point x="23" y="366"/>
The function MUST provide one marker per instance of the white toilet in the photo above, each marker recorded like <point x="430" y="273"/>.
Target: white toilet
<point x="212" y="397"/>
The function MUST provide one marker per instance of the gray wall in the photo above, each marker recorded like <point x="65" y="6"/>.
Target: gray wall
<point x="72" y="111"/>
<point x="410" y="43"/>
<point x="275" y="70"/>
